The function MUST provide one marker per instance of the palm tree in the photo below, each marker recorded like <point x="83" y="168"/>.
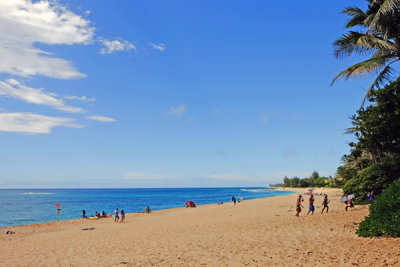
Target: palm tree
<point x="380" y="38"/>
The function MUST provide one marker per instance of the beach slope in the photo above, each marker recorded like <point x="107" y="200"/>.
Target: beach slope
<point x="259" y="232"/>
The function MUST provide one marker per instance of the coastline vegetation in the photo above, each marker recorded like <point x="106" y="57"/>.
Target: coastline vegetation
<point x="374" y="160"/>
<point x="373" y="163"/>
<point x="314" y="180"/>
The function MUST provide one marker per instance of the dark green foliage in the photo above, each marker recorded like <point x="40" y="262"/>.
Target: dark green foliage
<point x="384" y="217"/>
<point x="374" y="178"/>
<point x="314" y="180"/>
<point x="374" y="161"/>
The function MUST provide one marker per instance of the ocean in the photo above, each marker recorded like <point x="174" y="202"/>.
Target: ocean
<point x="30" y="206"/>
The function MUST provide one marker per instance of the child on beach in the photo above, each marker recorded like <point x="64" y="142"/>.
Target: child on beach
<point x="325" y="203"/>
<point x="311" y="204"/>
<point x="298" y="206"/>
<point x="116" y="215"/>
<point x="122" y="216"/>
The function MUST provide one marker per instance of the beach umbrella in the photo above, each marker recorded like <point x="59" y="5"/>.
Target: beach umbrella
<point x="343" y="199"/>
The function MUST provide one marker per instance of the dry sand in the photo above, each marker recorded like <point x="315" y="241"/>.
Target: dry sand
<point x="260" y="232"/>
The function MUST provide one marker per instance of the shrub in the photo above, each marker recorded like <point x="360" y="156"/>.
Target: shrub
<point x="384" y="216"/>
<point x="376" y="177"/>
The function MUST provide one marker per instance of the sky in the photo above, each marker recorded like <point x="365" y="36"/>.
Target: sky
<point x="177" y="93"/>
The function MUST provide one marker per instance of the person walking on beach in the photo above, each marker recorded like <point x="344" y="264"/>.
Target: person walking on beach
<point x="83" y="213"/>
<point x="311" y="204"/>
<point x="116" y="215"/>
<point x="122" y="216"/>
<point x="234" y="200"/>
<point x="325" y="203"/>
<point x="298" y="206"/>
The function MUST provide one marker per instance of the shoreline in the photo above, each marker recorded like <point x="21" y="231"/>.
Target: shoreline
<point x="133" y="213"/>
<point x="260" y="232"/>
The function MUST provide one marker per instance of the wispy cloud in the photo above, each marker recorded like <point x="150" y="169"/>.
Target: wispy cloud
<point x="221" y="152"/>
<point x="33" y="123"/>
<point x="80" y="98"/>
<point x="14" y="89"/>
<point x="266" y="117"/>
<point x="297" y="115"/>
<point x="145" y="176"/>
<point x="178" y="110"/>
<point x="116" y="45"/>
<point x="100" y="118"/>
<point x="159" y="47"/>
<point x="238" y="177"/>
<point x="24" y="23"/>
<point x="289" y="151"/>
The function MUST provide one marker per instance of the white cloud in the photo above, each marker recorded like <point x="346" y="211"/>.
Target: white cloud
<point x="24" y="23"/>
<point x="143" y="176"/>
<point x="100" y="118"/>
<point x="32" y="123"/>
<point x="178" y="110"/>
<point x="289" y="151"/>
<point x="267" y="117"/>
<point x="159" y="47"/>
<point x="238" y="177"/>
<point x="116" y="45"/>
<point x="14" y="89"/>
<point x="80" y="98"/>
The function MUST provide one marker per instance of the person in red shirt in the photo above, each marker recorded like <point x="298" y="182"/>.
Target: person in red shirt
<point x="298" y="206"/>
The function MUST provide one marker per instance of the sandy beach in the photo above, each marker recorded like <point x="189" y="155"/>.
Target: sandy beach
<point x="259" y="232"/>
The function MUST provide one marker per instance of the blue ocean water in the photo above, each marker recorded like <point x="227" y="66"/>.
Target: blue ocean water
<point x="29" y="206"/>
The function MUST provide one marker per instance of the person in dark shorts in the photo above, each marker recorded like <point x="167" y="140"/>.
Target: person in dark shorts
<point x="298" y="206"/>
<point x="325" y="204"/>
<point x="116" y="219"/>
<point x="234" y="200"/>
<point x="311" y="204"/>
<point x="84" y="214"/>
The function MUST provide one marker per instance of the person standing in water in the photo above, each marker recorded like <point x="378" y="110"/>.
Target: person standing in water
<point x="325" y="203"/>
<point x="298" y="206"/>
<point x="311" y="204"/>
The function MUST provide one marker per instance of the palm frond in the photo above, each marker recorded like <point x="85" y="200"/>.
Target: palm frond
<point x="347" y="45"/>
<point x="368" y="66"/>
<point x="357" y="16"/>
<point x="373" y="42"/>
<point x="386" y="7"/>
<point x="385" y="75"/>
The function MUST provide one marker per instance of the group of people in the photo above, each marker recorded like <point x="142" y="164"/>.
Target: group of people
<point x="116" y="219"/>
<point x="311" y="207"/>
<point x="97" y="214"/>
<point x="234" y="200"/>
<point x="117" y="214"/>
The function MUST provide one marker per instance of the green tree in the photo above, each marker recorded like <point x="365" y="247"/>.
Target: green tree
<point x="377" y="34"/>
<point x="286" y="182"/>
<point x="374" y="162"/>
<point x="384" y="215"/>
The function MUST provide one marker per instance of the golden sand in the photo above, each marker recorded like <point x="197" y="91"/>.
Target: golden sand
<point x="259" y="232"/>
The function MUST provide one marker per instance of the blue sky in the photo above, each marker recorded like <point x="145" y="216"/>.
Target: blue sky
<point x="171" y="93"/>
